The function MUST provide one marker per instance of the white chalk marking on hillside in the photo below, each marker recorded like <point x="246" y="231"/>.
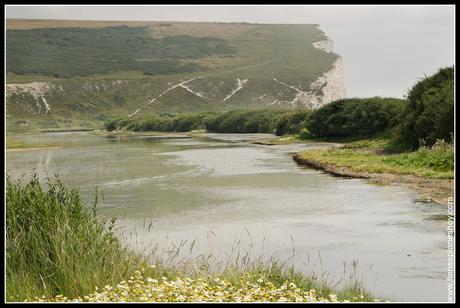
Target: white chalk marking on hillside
<point x="240" y="85"/>
<point x="289" y="86"/>
<point x="37" y="89"/>
<point x="199" y="94"/>
<point x="301" y="96"/>
<point x="48" y="108"/>
<point x="180" y="84"/>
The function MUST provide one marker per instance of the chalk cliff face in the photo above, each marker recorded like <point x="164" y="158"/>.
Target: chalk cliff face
<point x="331" y="85"/>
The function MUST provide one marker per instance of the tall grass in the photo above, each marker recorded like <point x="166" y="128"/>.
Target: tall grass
<point x="436" y="158"/>
<point x="57" y="245"/>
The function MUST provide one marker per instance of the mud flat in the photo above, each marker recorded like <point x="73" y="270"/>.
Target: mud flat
<point x="433" y="190"/>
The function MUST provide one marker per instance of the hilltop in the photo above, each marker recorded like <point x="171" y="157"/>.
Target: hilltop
<point x="66" y="73"/>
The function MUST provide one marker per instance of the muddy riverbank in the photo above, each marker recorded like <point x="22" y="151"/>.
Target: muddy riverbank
<point x="432" y="190"/>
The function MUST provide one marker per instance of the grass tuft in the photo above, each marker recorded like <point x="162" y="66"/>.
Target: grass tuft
<point x="57" y="245"/>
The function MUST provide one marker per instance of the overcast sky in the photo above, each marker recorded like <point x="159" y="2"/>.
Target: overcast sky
<point x="385" y="48"/>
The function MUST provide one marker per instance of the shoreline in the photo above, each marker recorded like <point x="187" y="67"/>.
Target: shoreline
<point x="432" y="190"/>
<point x="32" y="149"/>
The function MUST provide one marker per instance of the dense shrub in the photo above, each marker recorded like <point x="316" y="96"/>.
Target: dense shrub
<point x="166" y="122"/>
<point x="356" y="117"/>
<point x="235" y="121"/>
<point x="429" y="114"/>
<point x="117" y="123"/>
<point x="189" y="122"/>
<point x="292" y="122"/>
<point x="246" y="121"/>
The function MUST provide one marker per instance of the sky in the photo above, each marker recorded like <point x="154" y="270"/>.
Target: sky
<point x="386" y="48"/>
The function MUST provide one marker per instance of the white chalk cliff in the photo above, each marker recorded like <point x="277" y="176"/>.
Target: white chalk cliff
<point x="331" y="85"/>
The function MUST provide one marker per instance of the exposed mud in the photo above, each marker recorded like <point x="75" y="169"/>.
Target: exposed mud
<point x="33" y="149"/>
<point x="435" y="190"/>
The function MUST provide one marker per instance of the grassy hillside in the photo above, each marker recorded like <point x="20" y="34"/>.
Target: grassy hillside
<point x="52" y="51"/>
<point x="79" y="73"/>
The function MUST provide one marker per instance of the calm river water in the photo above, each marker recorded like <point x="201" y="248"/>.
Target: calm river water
<point x="221" y="195"/>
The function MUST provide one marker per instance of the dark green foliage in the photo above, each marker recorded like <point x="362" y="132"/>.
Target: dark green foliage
<point x="292" y="122"/>
<point x="164" y="122"/>
<point x="429" y="114"/>
<point x="117" y="123"/>
<point x="246" y="121"/>
<point x="67" y="52"/>
<point x="189" y="122"/>
<point x="356" y="117"/>
<point x="235" y="121"/>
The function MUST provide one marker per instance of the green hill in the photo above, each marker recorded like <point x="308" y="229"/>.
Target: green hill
<point x="79" y="73"/>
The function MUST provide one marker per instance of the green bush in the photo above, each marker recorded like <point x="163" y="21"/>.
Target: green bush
<point x="356" y="117"/>
<point x="235" y="121"/>
<point x="429" y="114"/>
<point x="117" y="123"/>
<point x="246" y="121"/>
<point x="292" y="122"/>
<point x="189" y="122"/>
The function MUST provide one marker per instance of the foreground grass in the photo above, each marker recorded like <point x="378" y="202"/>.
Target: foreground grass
<point x="55" y="245"/>
<point x="366" y="156"/>
<point x="58" y="249"/>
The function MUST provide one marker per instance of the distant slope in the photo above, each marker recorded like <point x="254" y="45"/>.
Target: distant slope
<point x="76" y="73"/>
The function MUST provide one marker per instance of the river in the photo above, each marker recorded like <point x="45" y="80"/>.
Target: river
<point x="219" y="194"/>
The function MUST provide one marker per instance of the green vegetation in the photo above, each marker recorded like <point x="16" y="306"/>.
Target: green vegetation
<point x="355" y="117"/>
<point x="436" y="161"/>
<point x="166" y="122"/>
<point x="423" y="125"/>
<point x="246" y="121"/>
<point x="293" y="122"/>
<point x="340" y="120"/>
<point x="56" y="245"/>
<point x="429" y="114"/>
<point x="235" y="121"/>
<point x="57" y="249"/>
<point x="13" y="143"/>
<point x="69" y="52"/>
<point x="431" y="162"/>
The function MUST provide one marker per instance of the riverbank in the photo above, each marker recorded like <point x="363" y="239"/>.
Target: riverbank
<point x="32" y="148"/>
<point x="12" y="144"/>
<point x="428" y="170"/>
<point x="66" y="130"/>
